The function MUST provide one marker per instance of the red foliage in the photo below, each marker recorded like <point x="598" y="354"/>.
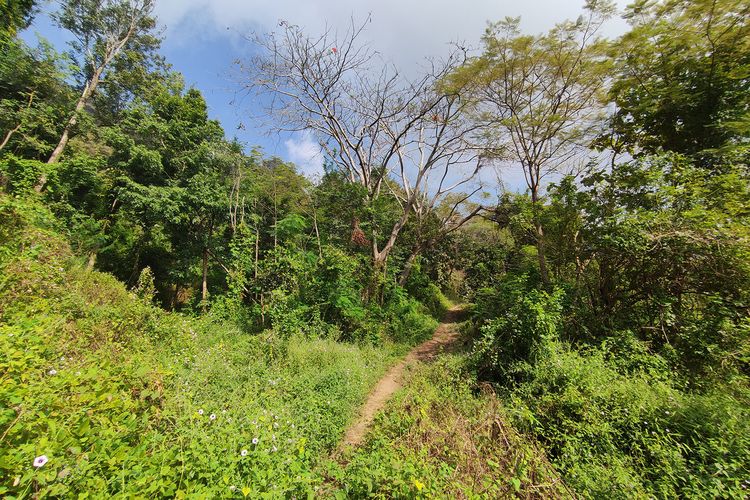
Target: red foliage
<point x="358" y="237"/>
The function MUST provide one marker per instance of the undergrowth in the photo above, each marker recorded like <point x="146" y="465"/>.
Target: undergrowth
<point x="615" y="419"/>
<point x="118" y="397"/>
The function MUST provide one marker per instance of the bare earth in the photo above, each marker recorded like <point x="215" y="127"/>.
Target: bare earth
<point x="445" y="335"/>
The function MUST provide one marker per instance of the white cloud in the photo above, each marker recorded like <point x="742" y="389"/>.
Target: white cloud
<point x="404" y="31"/>
<point x="304" y="152"/>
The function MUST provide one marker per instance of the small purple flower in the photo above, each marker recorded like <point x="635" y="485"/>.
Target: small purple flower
<point x="243" y="453"/>
<point x="40" y="461"/>
<point x="200" y="412"/>
<point x="213" y="416"/>
<point x="255" y="440"/>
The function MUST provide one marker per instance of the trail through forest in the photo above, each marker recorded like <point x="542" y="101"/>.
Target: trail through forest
<point x="444" y="337"/>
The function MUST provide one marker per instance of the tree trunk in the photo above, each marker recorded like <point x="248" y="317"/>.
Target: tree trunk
<point x="88" y="91"/>
<point x="92" y="261"/>
<point x="378" y="270"/>
<point x="176" y="296"/>
<point x="383" y="254"/>
<point x="257" y="252"/>
<point x="541" y="253"/>
<point x="15" y="129"/>
<point x="540" y="250"/>
<point x="9" y="135"/>
<point x="204" y="294"/>
<point x="317" y="234"/>
<point x="275" y="215"/>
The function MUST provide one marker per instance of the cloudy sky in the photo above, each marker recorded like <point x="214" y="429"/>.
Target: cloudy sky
<point x="202" y="38"/>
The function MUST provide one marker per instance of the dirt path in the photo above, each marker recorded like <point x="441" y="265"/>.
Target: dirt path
<point x="445" y="335"/>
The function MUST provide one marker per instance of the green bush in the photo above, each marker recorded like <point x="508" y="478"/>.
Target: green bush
<point x="409" y="320"/>
<point x="614" y="418"/>
<point x="635" y="434"/>
<point x="18" y="175"/>
<point x="523" y="326"/>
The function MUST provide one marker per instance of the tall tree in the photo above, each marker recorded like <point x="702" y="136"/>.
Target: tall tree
<point x="540" y="96"/>
<point x="103" y="31"/>
<point x="683" y="76"/>
<point x="170" y="197"/>
<point x="374" y="124"/>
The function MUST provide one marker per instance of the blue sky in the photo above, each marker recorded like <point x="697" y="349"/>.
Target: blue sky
<point x="202" y="38"/>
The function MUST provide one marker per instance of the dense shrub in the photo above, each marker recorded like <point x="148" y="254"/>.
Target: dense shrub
<point x="635" y="434"/>
<point x="18" y="175"/>
<point x="614" y="418"/>
<point x="522" y="326"/>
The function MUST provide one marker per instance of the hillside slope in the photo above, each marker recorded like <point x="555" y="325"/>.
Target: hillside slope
<point x="119" y="396"/>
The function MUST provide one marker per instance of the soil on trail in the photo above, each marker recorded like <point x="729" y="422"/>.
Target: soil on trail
<point x="444" y="337"/>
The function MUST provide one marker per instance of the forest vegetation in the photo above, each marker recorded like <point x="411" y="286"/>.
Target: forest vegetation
<point x="183" y="315"/>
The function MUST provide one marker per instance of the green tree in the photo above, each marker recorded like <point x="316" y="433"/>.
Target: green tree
<point x="171" y="170"/>
<point x="540" y="96"/>
<point x="34" y="97"/>
<point x="683" y="76"/>
<point x="104" y="30"/>
<point x="15" y="15"/>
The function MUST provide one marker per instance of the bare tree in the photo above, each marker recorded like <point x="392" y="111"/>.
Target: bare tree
<point x="375" y="125"/>
<point x="541" y="96"/>
<point x="103" y="29"/>
<point x="435" y="220"/>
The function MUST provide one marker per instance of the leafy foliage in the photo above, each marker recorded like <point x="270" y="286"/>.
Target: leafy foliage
<point x="682" y="76"/>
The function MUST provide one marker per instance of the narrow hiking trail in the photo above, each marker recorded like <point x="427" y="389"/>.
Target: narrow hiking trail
<point x="445" y="335"/>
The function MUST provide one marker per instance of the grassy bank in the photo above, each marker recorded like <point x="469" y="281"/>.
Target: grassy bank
<point x="122" y="398"/>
